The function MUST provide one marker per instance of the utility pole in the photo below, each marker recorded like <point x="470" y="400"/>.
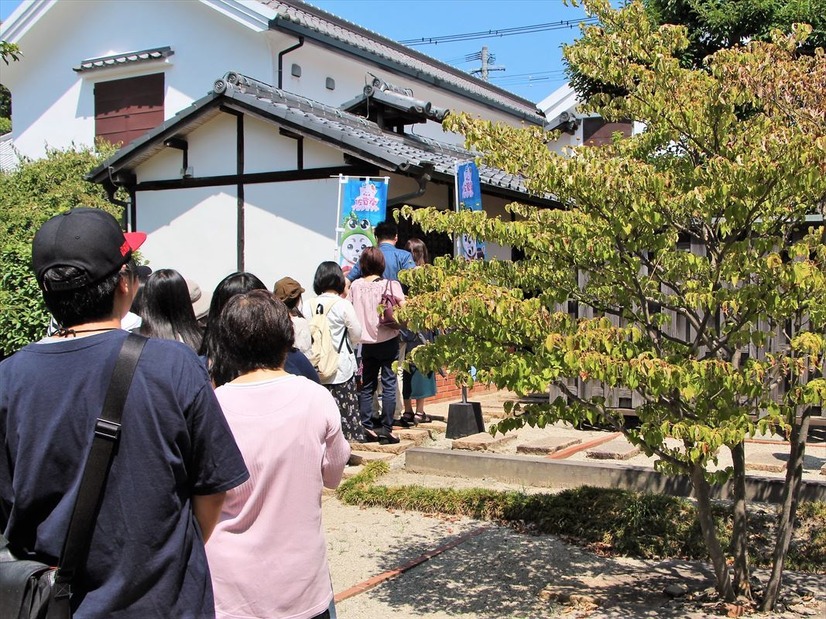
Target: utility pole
<point x="487" y="59"/>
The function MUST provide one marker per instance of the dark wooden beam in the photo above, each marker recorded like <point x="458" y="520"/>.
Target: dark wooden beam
<point x="259" y="177"/>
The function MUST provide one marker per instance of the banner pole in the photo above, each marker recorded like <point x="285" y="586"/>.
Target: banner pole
<point x="338" y="229"/>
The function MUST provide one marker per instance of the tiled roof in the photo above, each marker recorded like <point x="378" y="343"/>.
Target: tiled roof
<point x="402" y="153"/>
<point x="303" y="18"/>
<point x="362" y="137"/>
<point x="104" y="62"/>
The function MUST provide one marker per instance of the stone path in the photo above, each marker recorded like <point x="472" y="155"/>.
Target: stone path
<point x="765" y="457"/>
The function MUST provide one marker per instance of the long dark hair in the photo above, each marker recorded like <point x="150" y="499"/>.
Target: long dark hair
<point x="167" y="311"/>
<point x="231" y="285"/>
<point x="254" y="332"/>
<point x="418" y="250"/>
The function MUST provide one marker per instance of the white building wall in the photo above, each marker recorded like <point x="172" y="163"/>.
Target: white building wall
<point x="204" y="43"/>
<point x="190" y="230"/>
<point x="55" y="105"/>
<point x="290" y="229"/>
<point x="350" y="76"/>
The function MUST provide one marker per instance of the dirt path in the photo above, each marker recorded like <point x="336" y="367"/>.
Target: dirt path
<point x="495" y="572"/>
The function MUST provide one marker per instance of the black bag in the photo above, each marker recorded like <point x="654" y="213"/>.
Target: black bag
<point x="34" y="590"/>
<point x="29" y="587"/>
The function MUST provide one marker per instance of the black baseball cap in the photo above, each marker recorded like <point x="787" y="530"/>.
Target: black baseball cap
<point x="88" y="239"/>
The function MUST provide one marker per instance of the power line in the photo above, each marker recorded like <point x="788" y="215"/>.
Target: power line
<point x="531" y="74"/>
<point x="501" y="32"/>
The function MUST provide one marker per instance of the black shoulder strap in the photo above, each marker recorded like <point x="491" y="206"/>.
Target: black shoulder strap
<point x="107" y="436"/>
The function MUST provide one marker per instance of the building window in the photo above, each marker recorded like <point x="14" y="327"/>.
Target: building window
<point x="126" y="109"/>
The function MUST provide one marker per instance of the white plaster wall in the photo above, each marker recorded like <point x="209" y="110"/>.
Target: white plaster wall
<point x="212" y="147"/>
<point x="266" y="150"/>
<point x="290" y="229"/>
<point x="190" y="230"/>
<point x="566" y="140"/>
<point x="54" y="105"/>
<point x="319" y="155"/>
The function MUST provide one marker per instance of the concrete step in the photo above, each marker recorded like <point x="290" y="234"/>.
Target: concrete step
<point x="394" y="449"/>
<point x="483" y="441"/>
<point x="548" y="445"/>
<point x="417" y="435"/>
<point x="358" y="458"/>
<point x="617" y="449"/>
<point x="433" y="426"/>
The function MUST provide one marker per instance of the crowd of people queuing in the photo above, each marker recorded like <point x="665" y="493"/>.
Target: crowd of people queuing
<point x="229" y="435"/>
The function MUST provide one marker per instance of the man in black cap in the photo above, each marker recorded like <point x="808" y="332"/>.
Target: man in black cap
<point x="176" y="457"/>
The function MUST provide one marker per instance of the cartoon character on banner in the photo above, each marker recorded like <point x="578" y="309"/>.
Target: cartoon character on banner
<point x="470" y="249"/>
<point x="357" y="236"/>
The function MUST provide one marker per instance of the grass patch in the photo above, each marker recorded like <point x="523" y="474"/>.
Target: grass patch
<point x="608" y="521"/>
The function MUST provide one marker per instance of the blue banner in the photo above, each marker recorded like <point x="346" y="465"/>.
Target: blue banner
<point x="363" y="206"/>
<point x="468" y="197"/>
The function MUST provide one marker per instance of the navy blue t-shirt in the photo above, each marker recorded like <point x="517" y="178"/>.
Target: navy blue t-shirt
<point x="147" y="554"/>
<point x="298" y="364"/>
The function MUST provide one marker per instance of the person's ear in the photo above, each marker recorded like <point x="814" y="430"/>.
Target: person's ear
<point x="125" y="282"/>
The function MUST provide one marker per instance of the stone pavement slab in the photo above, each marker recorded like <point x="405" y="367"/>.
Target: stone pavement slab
<point x="416" y="435"/>
<point x="358" y="457"/>
<point x="547" y="445"/>
<point x="396" y="448"/>
<point x="617" y="449"/>
<point x="764" y="462"/>
<point x="482" y="441"/>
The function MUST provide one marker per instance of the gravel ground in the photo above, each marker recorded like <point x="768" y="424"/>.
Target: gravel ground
<point x="498" y="573"/>
<point x="494" y="572"/>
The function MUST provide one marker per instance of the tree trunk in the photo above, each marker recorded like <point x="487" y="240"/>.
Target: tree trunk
<point x="715" y="551"/>
<point x="740" y="530"/>
<point x="788" y="511"/>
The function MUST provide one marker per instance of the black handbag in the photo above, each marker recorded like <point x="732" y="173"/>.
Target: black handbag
<point x="34" y="590"/>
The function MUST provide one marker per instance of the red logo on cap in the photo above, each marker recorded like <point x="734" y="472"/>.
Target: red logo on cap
<point x="125" y="249"/>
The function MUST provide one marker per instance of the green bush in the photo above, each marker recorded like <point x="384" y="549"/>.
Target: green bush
<point x="29" y="195"/>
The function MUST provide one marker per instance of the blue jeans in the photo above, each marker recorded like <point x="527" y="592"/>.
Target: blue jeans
<point x="375" y="359"/>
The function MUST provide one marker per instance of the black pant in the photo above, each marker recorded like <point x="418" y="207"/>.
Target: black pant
<point x="377" y="358"/>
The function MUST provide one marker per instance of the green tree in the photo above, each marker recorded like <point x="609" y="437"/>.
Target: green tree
<point x="670" y="324"/>
<point x="713" y="25"/>
<point x="29" y="195"/>
<point x="8" y="51"/>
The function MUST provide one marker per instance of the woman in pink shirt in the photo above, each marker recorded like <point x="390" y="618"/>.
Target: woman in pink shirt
<point x="267" y="555"/>
<point x="380" y="344"/>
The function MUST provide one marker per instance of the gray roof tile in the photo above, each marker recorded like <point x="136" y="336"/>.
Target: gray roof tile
<point x="403" y="153"/>
<point x="104" y="62"/>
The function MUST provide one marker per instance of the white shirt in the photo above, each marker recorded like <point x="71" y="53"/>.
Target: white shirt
<point x="303" y="339"/>
<point x="341" y="315"/>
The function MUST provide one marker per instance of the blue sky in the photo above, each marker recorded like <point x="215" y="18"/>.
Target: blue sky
<point x="532" y="62"/>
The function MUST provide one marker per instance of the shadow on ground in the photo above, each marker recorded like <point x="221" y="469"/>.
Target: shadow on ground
<point x="501" y="573"/>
